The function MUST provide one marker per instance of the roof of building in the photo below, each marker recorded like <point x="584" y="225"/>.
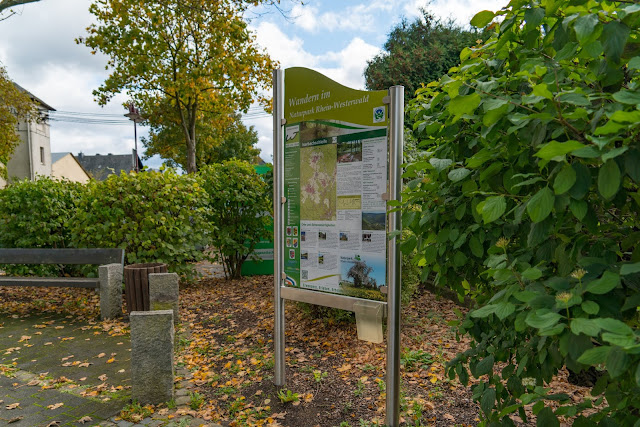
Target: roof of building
<point x="35" y="98"/>
<point x="57" y="156"/>
<point x="101" y="166"/>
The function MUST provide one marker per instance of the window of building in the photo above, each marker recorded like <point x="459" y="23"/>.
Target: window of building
<point x="42" y="155"/>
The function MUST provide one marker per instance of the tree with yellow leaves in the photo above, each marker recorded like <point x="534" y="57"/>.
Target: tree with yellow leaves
<point x="197" y="55"/>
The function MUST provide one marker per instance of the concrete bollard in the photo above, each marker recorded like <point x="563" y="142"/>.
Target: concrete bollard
<point x="110" y="290"/>
<point x="163" y="293"/>
<point x="152" y="356"/>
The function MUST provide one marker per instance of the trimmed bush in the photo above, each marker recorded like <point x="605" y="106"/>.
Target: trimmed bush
<point x="240" y="207"/>
<point x="153" y="216"/>
<point x="36" y="214"/>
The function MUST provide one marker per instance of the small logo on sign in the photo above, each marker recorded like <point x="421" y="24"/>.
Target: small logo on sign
<point x="378" y="114"/>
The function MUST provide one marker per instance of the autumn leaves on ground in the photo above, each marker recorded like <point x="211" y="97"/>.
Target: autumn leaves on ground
<point x="333" y="379"/>
<point x="225" y="343"/>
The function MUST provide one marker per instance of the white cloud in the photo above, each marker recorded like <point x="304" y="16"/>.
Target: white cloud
<point x="289" y="51"/>
<point x="461" y="11"/>
<point x="351" y="63"/>
<point x="354" y="18"/>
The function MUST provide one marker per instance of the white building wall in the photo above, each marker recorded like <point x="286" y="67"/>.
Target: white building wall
<point x="28" y="163"/>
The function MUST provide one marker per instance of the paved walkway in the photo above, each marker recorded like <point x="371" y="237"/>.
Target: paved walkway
<point x="56" y="371"/>
<point x="53" y="368"/>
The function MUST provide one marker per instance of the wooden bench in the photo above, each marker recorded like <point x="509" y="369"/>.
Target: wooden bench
<point x="109" y="282"/>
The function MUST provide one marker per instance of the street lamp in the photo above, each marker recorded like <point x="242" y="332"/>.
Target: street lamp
<point x="134" y="116"/>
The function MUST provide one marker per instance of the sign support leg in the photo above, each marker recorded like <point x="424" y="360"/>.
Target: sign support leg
<point x="278" y="176"/>
<point x="396" y="134"/>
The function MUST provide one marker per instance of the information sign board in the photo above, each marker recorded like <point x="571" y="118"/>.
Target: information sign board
<point x="337" y="161"/>
<point x="335" y="178"/>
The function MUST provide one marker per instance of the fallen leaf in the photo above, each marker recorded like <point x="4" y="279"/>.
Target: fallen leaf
<point x="101" y="355"/>
<point x="55" y="406"/>
<point x="15" y="420"/>
<point x="121" y="371"/>
<point x="83" y="379"/>
<point x="102" y="377"/>
<point x="113" y="359"/>
<point x="84" y="365"/>
<point x="53" y="423"/>
<point x="449" y="417"/>
<point x="85" y="419"/>
<point x="12" y="406"/>
<point x="33" y="382"/>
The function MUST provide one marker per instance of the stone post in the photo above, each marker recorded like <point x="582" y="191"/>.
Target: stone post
<point x="152" y="356"/>
<point x="163" y="293"/>
<point x="110" y="290"/>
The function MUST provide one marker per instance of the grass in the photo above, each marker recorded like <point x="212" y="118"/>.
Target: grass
<point x="134" y="412"/>
<point x="196" y="400"/>
<point x="413" y="360"/>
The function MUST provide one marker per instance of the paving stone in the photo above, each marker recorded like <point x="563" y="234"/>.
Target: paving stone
<point x="182" y="400"/>
<point x="182" y="392"/>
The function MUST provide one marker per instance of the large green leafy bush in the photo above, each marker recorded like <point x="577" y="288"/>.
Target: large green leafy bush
<point x="240" y="206"/>
<point x="153" y="216"/>
<point x="35" y="214"/>
<point x="529" y="202"/>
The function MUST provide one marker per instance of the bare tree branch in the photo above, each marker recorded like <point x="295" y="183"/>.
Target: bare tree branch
<point x="6" y="4"/>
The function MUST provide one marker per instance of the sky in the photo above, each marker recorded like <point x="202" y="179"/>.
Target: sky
<point x="334" y="37"/>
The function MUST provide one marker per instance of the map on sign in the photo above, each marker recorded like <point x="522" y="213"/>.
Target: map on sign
<point x="335" y="175"/>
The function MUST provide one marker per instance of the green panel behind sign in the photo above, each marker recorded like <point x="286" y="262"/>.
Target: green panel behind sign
<point x="264" y="249"/>
<point x="335" y="175"/>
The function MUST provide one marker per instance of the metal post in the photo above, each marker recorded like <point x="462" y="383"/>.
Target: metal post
<point x="135" y="139"/>
<point x="278" y="177"/>
<point x="396" y="134"/>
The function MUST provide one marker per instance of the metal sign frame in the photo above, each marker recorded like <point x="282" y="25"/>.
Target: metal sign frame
<point x="395" y="99"/>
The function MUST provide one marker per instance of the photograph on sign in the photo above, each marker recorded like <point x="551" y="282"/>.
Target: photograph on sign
<point x="335" y="175"/>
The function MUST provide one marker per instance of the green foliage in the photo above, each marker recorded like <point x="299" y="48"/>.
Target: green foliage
<point x="153" y="216"/>
<point x="239" y="204"/>
<point x="418" y="52"/>
<point x="216" y="142"/>
<point x="135" y="412"/>
<point x="35" y="214"/>
<point x="319" y="376"/>
<point x="529" y="200"/>
<point x="413" y="360"/>
<point x="196" y="400"/>
<point x="286" y="395"/>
